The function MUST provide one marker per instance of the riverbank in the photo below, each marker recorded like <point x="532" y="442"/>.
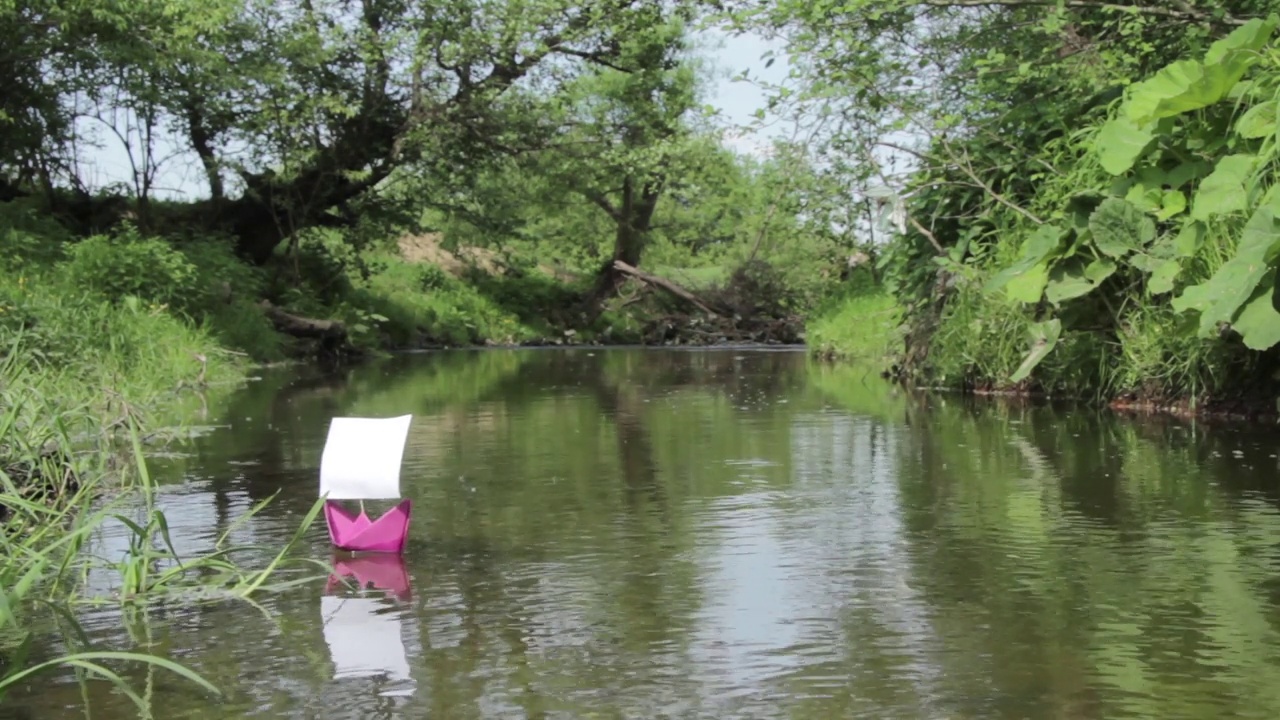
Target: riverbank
<point x="1099" y="262"/>
<point x="974" y="347"/>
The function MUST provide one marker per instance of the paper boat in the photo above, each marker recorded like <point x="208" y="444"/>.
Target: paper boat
<point x="364" y="633"/>
<point x="361" y="461"/>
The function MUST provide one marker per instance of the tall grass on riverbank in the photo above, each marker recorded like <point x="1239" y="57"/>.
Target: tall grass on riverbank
<point x="861" y="324"/>
<point x="67" y="472"/>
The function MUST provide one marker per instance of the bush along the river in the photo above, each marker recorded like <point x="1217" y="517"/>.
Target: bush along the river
<point x="1140" y="268"/>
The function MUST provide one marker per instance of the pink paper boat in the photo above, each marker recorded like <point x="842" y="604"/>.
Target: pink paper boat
<point x="361" y="461"/>
<point x="387" y="534"/>
<point x="380" y="572"/>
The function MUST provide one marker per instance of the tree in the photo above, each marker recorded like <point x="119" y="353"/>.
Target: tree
<point x="296" y="111"/>
<point x="626" y="132"/>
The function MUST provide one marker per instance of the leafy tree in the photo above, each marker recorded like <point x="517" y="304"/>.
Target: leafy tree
<point x="297" y="111"/>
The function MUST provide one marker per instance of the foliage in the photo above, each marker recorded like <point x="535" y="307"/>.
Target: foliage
<point x="60" y="457"/>
<point x="1070" y="170"/>
<point x="1169" y="210"/>
<point x="125" y="264"/>
<point x="298" y="114"/>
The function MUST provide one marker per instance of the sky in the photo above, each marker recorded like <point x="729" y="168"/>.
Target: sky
<point x="181" y="177"/>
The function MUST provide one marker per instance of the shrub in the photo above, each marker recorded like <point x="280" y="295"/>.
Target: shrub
<point x="28" y="238"/>
<point x="125" y="263"/>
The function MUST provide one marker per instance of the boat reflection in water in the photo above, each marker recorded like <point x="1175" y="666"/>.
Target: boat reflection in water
<point x="363" y="627"/>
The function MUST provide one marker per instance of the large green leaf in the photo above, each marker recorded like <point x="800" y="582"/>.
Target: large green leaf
<point x="1027" y="287"/>
<point x="1070" y="281"/>
<point x="1218" y="298"/>
<point x="1163" y="276"/>
<point x="1181" y="87"/>
<point x="1120" y="143"/>
<point x="1119" y="227"/>
<point x="1249" y="38"/>
<point x="1190" y="85"/>
<point x="1258" y="322"/>
<point x="1044" y="242"/>
<point x="1258" y="121"/>
<point x="1224" y="190"/>
<point x="1044" y="337"/>
<point x="1190" y="238"/>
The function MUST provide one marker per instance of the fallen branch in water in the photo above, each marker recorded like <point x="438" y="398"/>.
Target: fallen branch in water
<point x="303" y="327"/>
<point x="667" y="285"/>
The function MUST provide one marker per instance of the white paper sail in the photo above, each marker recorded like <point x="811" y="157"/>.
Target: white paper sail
<point x="364" y="642"/>
<point x="361" y="458"/>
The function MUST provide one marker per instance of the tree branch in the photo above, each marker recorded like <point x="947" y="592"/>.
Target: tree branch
<point x="1183" y="12"/>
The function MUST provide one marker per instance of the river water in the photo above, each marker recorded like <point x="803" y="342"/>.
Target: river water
<point x="725" y="533"/>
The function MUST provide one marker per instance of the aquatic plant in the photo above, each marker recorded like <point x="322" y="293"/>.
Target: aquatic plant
<point x="66" y="471"/>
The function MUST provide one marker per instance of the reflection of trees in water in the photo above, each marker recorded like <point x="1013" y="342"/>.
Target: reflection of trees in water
<point x="624" y="405"/>
<point x="640" y="596"/>
<point x="636" y="583"/>
<point x="857" y="579"/>
<point x="1089" y="559"/>
<point x="734" y="372"/>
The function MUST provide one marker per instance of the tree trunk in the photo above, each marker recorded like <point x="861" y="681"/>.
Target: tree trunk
<point x="634" y="220"/>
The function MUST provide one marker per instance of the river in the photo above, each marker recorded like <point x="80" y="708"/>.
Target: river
<point x="728" y="533"/>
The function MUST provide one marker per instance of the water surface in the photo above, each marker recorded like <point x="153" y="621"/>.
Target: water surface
<point x="723" y="534"/>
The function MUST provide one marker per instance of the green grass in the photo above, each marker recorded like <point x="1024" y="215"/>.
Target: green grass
<point x="132" y="347"/>
<point x="95" y="337"/>
<point x="862" y="324"/>
<point x="694" y="278"/>
<point x="403" y="304"/>
<point x="68" y="466"/>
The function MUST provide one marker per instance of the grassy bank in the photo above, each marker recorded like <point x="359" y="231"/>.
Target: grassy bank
<point x="72" y="464"/>
<point x="103" y="345"/>
<point x="862" y="323"/>
<point x="976" y="342"/>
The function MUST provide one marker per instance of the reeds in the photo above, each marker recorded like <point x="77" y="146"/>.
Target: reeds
<point x="69" y="470"/>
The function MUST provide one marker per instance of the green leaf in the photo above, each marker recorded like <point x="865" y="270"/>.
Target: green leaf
<point x="1070" y="282"/>
<point x="1119" y="227"/>
<point x="1181" y="87"/>
<point x="1190" y="85"/>
<point x="1042" y="243"/>
<point x="1162" y="279"/>
<point x="1120" y="143"/>
<point x="1099" y="270"/>
<point x="1259" y="323"/>
<point x="1144" y="262"/>
<point x="1218" y="298"/>
<point x="1224" y="190"/>
<point x="1190" y="238"/>
<point x="1258" y="121"/>
<point x="1044" y="337"/>
<point x="1173" y="203"/>
<point x="1147" y="197"/>
<point x="1186" y="172"/>
<point x="1249" y="37"/>
<point x="1027" y="286"/>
